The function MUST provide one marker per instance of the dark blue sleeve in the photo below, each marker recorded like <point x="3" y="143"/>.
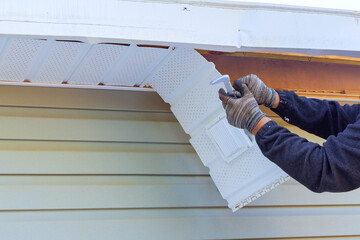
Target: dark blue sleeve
<point x="320" y="117"/>
<point x="335" y="167"/>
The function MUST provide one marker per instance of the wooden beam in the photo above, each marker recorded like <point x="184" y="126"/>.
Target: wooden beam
<point x="352" y="98"/>
<point x="289" y="56"/>
<point x="329" y="78"/>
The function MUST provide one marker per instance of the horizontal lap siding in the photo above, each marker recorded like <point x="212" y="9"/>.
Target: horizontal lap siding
<point x="181" y="223"/>
<point x="56" y="129"/>
<point x="101" y="164"/>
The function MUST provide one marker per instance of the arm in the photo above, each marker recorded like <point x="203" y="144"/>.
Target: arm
<point x="322" y="118"/>
<point x="335" y="167"/>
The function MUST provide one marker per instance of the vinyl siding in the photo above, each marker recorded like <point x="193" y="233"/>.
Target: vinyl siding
<point x="101" y="164"/>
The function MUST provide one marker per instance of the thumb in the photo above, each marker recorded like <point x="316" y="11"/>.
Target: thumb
<point x="223" y="96"/>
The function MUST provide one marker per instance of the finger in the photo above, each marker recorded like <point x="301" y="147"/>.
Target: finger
<point x="237" y="94"/>
<point x="224" y="97"/>
<point x="244" y="90"/>
<point x="240" y="87"/>
<point x="237" y="84"/>
<point x="247" y="78"/>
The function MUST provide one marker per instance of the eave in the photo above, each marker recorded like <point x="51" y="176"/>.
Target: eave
<point x="210" y="25"/>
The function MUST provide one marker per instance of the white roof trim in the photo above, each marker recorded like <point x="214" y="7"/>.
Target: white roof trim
<point x="211" y="25"/>
<point x="257" y="6"/>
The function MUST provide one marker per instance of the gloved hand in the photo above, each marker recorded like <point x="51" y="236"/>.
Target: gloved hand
<point x="243" y="112"/>
<point x="263" y="94"/>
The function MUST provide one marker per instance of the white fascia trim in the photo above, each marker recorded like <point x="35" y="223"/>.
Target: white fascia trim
<point x="210" y="24"/>
<point x="257" y="6"/>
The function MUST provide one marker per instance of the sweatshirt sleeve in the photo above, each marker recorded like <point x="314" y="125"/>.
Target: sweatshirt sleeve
<point x="335" y="167"/>
<point x="320" y="117"/>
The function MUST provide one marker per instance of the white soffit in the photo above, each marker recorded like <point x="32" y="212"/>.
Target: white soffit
<point x="76" y="63"/>
<point x="210" y="24"/>
<point x="181" y="76"/>
<point x="237" y="166"/>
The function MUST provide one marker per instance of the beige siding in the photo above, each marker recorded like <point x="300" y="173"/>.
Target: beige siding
<point x="91" y="164"/>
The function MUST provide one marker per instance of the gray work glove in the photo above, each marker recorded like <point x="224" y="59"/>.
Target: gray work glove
<point x="263" y="94"/>
<point x="243" y="112"/>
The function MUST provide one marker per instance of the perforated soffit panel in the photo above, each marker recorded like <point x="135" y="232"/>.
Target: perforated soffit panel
<point x="181" y="77"/>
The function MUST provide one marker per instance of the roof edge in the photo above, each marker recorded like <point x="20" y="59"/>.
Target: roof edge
<point x="257" y="6"/>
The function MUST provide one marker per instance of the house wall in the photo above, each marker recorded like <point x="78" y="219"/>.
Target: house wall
<point x="104" y="164"/>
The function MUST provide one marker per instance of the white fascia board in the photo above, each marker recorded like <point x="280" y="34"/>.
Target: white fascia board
<point x="100" y="20"/>
<point x="271" y="29"/>
<point x="212" y="25"/>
